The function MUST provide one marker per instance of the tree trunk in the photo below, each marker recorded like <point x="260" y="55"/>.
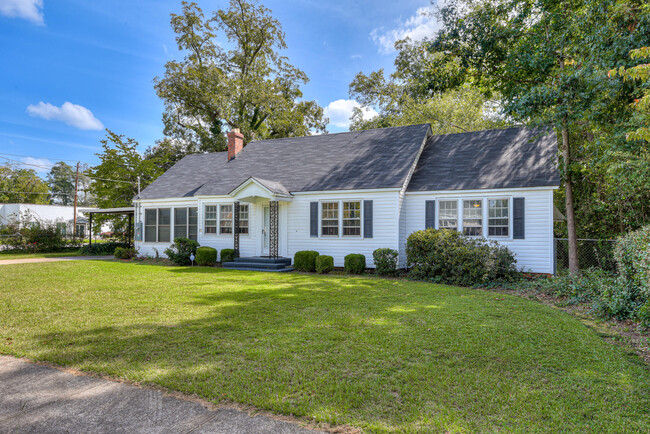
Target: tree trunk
<point x="570" y="212"/>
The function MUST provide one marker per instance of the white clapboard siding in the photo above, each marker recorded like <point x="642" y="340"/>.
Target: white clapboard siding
<point x="533" y="253"/>
<point x="385" y="218"/>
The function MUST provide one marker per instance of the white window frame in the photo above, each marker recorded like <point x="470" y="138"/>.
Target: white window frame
<point x="338" y="219"/>
<point x="438" y="208"/>
<point x="216" y="219"/>
<point x="248" y="220"/>
<point x="157" y="225"/>
<point x="187" y="222"/>
<point x="232" y="218"/>
<point x="343" y="202"/>
<point x="509" y="217"/>
<point x="340" y="203"/>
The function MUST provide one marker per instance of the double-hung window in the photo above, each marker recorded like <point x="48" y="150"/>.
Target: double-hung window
<point x="157" y="225"/>
<point x="352" y="219"/>
<point x="498" y="217"/>
<point x="210" y="219"/>
<point x="330" y="219"/>
<point x="225" y="219"/>
<point x="243" y="219"/>
<point x="473" y="217"/>
<point x="185" y="222"/>
<point x="448" y="214"/>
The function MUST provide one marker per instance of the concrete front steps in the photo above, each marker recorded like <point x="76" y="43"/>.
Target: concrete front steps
<point x="260" y="263"/>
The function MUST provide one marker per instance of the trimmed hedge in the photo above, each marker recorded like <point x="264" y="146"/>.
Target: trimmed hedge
<point x="450" y="257"/>
<point x="227" y="255"/>
<point x="124" y="253"/>
<point x="355" y="263"/>
<point x="324" y="264"/>
<point x="180" y="251"/>
<point x="206" y="255"/>
<point x="102" y="248"/>
<point x="385" y="261"/>
<point x="305" y="260"/>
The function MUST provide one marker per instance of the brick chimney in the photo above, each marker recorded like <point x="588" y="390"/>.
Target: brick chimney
<point x="235" y="143"/>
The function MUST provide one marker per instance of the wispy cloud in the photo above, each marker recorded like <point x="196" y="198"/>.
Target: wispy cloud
<point x="41" y="165"/>
<point x="71" y="114"/>
<point x="340" y="111"/>
<point x="418" y="27"/>
<point x="31" y="10"/>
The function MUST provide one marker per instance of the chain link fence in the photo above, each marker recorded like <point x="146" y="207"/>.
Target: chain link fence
<point x="591" y="254"/>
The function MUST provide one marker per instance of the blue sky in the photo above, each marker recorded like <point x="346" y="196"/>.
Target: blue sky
<point x="72" y="68"/>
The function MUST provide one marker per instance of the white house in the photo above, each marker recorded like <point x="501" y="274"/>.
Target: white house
<point x="29" y="213"/>
<point x="358" y="191"/>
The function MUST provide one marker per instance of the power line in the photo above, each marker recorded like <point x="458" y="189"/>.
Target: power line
<point x="31" y="156"/>
<point x="34" y="192"/>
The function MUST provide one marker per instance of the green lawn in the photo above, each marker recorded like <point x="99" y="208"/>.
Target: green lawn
<point x="7" y="256"/>
<point x="383" y="355"/>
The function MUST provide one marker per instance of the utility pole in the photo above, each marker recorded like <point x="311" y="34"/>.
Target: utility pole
<point x="76" y="186"/>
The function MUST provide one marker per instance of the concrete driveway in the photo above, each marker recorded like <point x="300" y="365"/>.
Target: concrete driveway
<point x="62" y="258"/>
<point x="41" y="399"/>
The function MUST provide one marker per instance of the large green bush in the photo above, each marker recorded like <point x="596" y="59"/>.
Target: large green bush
<point x="448" y="256"/>
<point x="305" y="260"/>
<point x="385" y="261"/>
<point x="632" y="253"/>
<point x="101" y="248"/>
<point x="206" y="255"/>
<point x="124" y="253"/>
<point x="324" y="264"/>
<point x="227" y="255"/>
<point x="180" y="251"/>
<point x="355" y="263"/>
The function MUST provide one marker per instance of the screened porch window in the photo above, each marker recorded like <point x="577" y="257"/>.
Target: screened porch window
<point x="185" y="223"/>
<point x="150" y="220"/>
<point x="157" y="225"/>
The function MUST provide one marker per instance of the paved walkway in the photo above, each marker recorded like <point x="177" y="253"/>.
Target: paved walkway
<point x="40" y="399"/>
<point x="62" y="258"/>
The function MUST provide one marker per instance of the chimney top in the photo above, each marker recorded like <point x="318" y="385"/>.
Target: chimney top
<point x="235" y="143"/>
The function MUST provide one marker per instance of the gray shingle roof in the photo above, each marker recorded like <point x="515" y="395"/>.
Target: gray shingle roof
<point x="508" y="158"/>
<point x="379" y="158"/>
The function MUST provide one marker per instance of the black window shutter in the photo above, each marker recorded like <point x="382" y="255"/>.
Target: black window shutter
<point x="367" y="219"/>
<point x="313" y="219"/>
<point x="430" y="214"/>
<point x="518" y="218"/>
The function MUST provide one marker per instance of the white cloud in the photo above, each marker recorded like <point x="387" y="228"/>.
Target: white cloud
<point x="340" y="111"/>
<point x="72" y="114"/>
<point x="418" y="27"/>
<point x="31" y="10"/>
<point x="40" y="165"/>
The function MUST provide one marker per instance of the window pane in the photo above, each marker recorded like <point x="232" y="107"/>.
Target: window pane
<point x="498" y="217"/>
<point x="164" y="218"/>
<point x="180" y="222"/>
<point x="352" y="218"/>
<point x="473" y="217"/>
<point x="210" y="219"/>
<point x="330" y="218"/>
<point x="225" y="219"/>
<point x="448" y="214"/>
<point x="150" y="225"/>
<point x="243" y="219"/>
<point x="193" y="223"/>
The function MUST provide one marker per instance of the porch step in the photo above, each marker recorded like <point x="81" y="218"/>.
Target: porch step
<point x="260" y="263"/>
<point x="264" y="260"/>
<point x="270" y="270"/>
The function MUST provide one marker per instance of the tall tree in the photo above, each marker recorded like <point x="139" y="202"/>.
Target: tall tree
<point x="249" y="86"/>
<point x="546" y="60"/>
<point x="411" y="95"/>
<point x="22" y="186"/>
<point x="61" y="179"/>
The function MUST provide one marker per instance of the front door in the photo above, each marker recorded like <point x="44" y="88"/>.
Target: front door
<point x="266" y="231"/>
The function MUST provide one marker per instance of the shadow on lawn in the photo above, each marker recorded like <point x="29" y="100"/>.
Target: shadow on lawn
<point x="363" y="351"/>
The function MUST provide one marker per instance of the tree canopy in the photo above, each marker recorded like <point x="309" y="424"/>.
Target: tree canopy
<point x="232" y="76"/>
<point x="18" y="185"/>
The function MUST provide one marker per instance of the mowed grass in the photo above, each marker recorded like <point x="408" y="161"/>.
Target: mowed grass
<point x="379" y="354"/>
